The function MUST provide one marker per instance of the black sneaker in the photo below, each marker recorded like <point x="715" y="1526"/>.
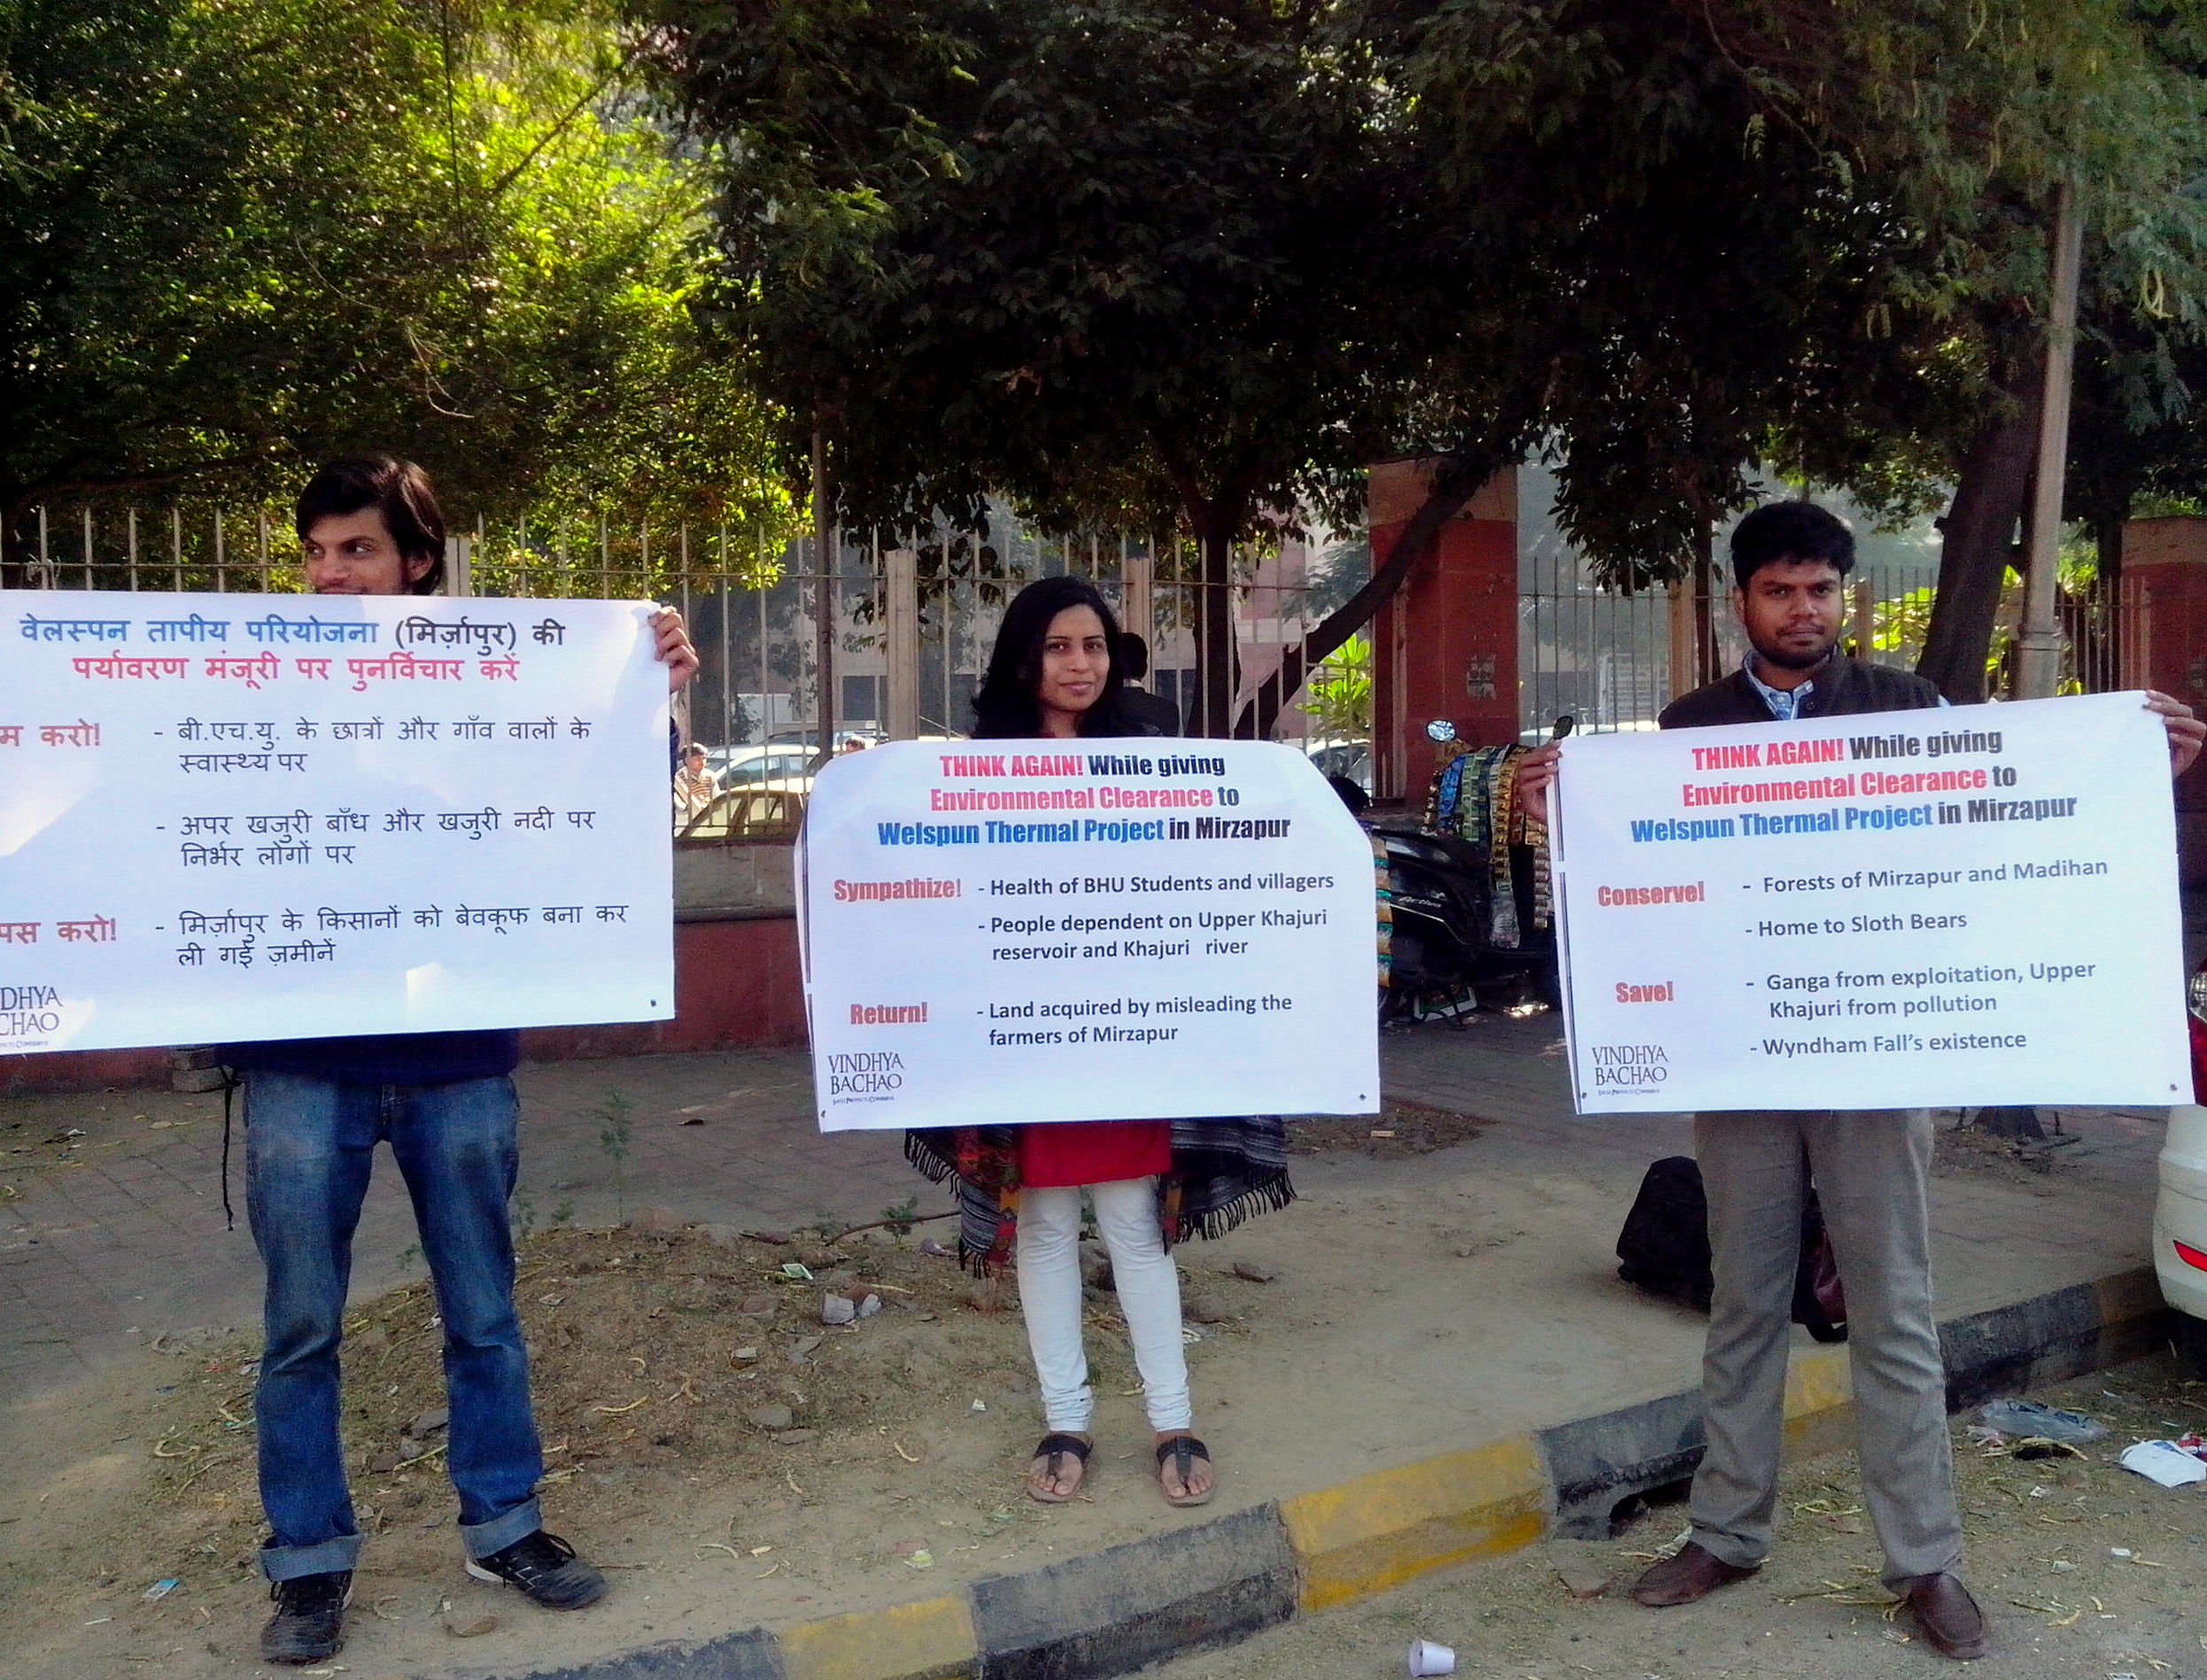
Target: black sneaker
<point x="309" y="1622"/>
<point x="546" y="1568"/>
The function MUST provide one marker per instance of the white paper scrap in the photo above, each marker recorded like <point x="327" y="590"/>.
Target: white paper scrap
<point x="2164" y="1462"/>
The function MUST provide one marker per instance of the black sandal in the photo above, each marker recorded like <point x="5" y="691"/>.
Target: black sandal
<point x="1183" y="1450"/>
<point x="1055" y="1447"/>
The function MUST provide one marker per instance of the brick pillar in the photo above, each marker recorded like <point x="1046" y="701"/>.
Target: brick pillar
<point x="1446" y="644"/>
<point x="2163" y="629"/>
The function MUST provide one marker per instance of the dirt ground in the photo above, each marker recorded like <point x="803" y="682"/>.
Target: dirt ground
<point x="658" y="1353"/>
<point x="2087" y="1572"/>
<point x="658" y="1357"/>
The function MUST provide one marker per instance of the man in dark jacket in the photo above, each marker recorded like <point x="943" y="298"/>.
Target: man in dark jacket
<point x="1137" y="704"/>
<point x="1871" y="1166"/>
<point x="314" y="1110"/>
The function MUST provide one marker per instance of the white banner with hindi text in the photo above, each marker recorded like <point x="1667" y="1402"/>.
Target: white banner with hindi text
<point x="265" y="816"/>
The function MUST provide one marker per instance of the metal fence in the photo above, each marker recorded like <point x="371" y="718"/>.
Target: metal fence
<point x="1612" y="660"/>
<point x="911" y="628"/>
<point x="754" y="601"/>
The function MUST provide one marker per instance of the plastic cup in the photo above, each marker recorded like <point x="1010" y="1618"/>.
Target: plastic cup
<point x="1426" y="1658"/>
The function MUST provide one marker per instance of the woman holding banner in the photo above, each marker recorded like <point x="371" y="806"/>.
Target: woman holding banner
<point x="1055" y="675"/>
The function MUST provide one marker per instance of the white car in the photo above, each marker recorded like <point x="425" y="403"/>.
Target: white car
<point x="782" y="769"/>
<point x="2180" y="1215"/>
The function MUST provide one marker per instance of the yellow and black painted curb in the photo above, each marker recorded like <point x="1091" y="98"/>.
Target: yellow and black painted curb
<point x="1192" y="1589"/>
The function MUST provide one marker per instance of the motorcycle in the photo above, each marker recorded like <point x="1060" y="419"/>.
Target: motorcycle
<point x="1444" y="950"/>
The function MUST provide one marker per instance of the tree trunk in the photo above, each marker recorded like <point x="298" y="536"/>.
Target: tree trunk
<point x="1455" y="481"/>
<point x="2107" y="592"/>
<point x="1215" y="676"/>
<point x="1979" y="541"/>
<point x="1706" y="590"/>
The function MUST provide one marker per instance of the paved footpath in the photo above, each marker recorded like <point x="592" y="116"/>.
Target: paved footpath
<point x="115" y="1235"/>
<point x="1479" y="1280"/>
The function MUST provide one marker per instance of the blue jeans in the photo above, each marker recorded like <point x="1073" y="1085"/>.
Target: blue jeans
<point x="309" y="1147"/>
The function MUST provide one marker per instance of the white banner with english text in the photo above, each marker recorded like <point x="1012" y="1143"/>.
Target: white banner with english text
<point x="229" y="817"/>
<point x="1927" y="908"/>
<point x="1010" y="932"/>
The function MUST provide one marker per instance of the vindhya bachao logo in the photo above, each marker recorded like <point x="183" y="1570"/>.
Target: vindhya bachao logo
<point x="864" y="1076"/>
<point x="1630" y="1067"/>
<point x="29" y="1011"/>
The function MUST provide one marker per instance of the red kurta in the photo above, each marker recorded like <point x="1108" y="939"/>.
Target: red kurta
<point x="1074" y="1152"/>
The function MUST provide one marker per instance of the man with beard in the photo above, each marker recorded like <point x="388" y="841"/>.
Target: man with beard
<point x="1871" y="1166"/>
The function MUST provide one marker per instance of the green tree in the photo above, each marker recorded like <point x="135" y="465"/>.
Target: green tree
<point x="1848" y="274"/>
<point x="237" y="235"/>
<point x="1123" y="259"/>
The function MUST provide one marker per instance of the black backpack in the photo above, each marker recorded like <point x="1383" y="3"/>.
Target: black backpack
<point x="1664" y="1249"/>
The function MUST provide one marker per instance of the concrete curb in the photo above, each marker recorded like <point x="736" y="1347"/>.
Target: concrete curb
<point x="1114" y="1611"/>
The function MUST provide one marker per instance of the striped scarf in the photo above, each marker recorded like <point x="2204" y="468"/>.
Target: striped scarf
<point x="1223" y="1172"/>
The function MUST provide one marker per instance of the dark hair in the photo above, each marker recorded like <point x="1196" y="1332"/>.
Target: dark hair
<point x="1783" y="530"/>
<point x="1005" y="709"/>
<point x="1133" y="657"/>
<point x="399" y="489"/>
<point x="694" y="746"/>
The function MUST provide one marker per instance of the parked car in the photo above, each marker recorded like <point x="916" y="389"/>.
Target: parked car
<point x="810" y="739"/>
<point x="783" y="768"/>
<point x="2180" y="1214"/>
<point x="1350" y="759"/>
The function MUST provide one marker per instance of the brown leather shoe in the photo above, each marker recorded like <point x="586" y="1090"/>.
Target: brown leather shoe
<point x="1948" y="1616"/>
<point x="1695" y="1573"/>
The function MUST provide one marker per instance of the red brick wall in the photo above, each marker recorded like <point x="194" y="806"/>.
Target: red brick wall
<point x="1445" y="646"/>
<point x="2164" y="647"/>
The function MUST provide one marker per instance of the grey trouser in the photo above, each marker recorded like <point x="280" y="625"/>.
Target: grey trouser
<point x="1871" y="1168"/>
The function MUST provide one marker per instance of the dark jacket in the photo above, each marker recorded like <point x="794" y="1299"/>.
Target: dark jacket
<point x="1139" y="706"/>
<point x="385" y="1058"/>
<point x="1843" y="687"/>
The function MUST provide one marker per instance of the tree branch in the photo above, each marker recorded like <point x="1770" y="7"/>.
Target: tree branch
<point x="1455" y="481"/>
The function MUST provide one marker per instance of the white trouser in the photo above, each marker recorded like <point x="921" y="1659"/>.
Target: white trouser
<point x="1149" y="1293"/>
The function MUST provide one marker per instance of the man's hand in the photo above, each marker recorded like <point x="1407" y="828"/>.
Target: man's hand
<point x="2186" y="734"/>
<point x="681" y="658"/>
<point x="1536" y="772"/>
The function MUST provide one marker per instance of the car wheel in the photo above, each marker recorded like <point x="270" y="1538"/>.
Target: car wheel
<point x="2190" y="1343"/>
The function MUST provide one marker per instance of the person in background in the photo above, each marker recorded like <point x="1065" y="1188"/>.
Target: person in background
<point x="1137" y="704"/>
<point x="693" y="784"/>
<point x="1871" y="1166"/>
<point x="1055" y="676"/>
<point x="315" y="1110"/>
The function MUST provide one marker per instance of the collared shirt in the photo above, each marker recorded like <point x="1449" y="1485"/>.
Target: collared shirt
<point x="1785" y="703"/>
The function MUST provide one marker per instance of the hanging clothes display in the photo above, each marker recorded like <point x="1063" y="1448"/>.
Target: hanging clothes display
<point x="1474" y="799"/>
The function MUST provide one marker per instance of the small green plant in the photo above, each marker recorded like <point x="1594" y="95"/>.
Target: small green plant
<point x="409" y="1256"/>
<point x="563" y="1209"/>
<point x="615" y="1140"/>
<point x="900" y="1216"/>
<point x="1339" y="700"/>
<point x="522" y="1216"/>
